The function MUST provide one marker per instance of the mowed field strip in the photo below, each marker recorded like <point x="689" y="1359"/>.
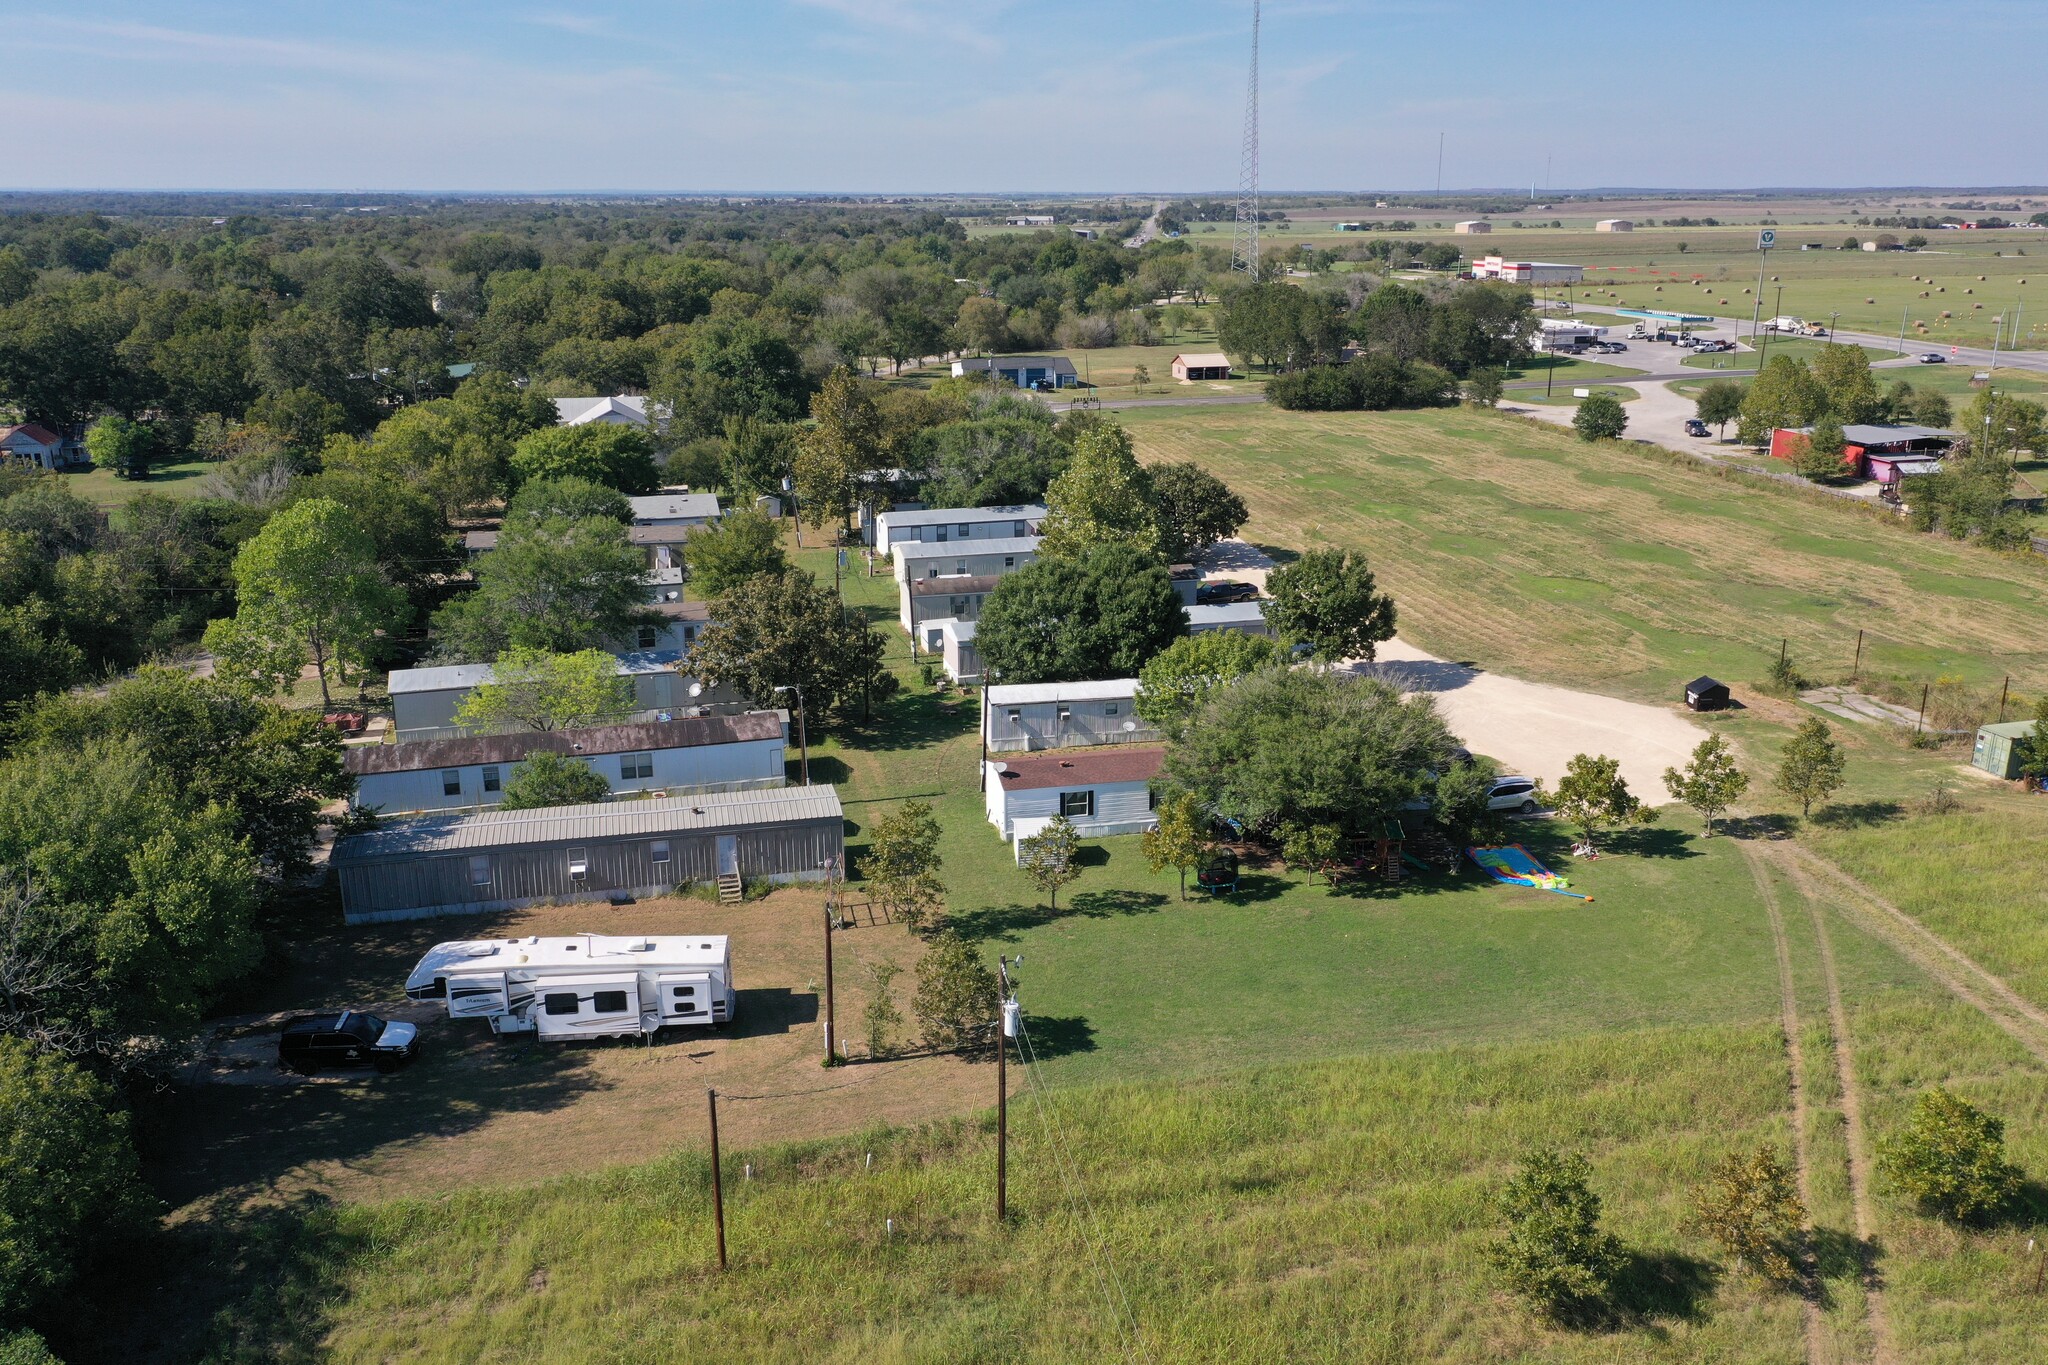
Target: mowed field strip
<point x="1605" y="566"/>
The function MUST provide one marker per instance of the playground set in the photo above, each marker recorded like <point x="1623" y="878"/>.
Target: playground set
<point x="1516" y="866"/>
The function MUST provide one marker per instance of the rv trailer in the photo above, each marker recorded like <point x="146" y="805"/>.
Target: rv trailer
<point x="581" y="986"/>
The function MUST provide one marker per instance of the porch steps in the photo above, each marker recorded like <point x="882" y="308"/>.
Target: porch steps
<point x="729" y="889"/>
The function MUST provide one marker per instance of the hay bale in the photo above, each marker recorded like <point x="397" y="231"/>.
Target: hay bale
<point x="1969" y="291"/>
<point x="1946" y="314"/>
<point x="1923" y="293"/>
<point x="1976" y="305"/>
<point x="1941" y="289"/>
<point x="1980" y="277"/>
<point x="1874" y="300"/>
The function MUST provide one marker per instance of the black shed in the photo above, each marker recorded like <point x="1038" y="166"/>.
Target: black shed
<point x="1705" y="694"/>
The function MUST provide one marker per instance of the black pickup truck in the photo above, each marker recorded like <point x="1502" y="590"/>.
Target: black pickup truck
<point x="312" y="1042"/>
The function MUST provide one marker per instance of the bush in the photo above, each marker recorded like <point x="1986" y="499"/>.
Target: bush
<point x="1599" y="418"/>
<point x="955" y="1002"/>
<point x="1553" y="1254"/>
<point x="1950" y="1158"/>
<point x="547" y="778"/>
<point x="1372" y="383"/>
<point x="1750" y="1205"/>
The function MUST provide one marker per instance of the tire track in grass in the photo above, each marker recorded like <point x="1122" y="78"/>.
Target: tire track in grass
<point x="1802" y="1160"/>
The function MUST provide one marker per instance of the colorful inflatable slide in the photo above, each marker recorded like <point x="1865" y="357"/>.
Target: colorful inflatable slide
<point x="1515" y="865"/>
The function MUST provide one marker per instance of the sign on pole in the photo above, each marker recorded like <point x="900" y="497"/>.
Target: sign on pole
<point x="1766" y="239"/>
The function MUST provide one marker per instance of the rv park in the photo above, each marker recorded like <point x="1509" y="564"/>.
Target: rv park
<point x="1105" y="774"/>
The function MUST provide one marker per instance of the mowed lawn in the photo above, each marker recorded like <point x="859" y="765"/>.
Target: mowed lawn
<point x="1609" y="566"/>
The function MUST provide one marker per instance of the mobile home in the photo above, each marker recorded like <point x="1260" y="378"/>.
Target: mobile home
<point x="1101" y="791"/>
<point x="424" y="700"/>
<point x="1065" y="715"/>
<point x="944" y="525"/>
<point x="581" y="986"/>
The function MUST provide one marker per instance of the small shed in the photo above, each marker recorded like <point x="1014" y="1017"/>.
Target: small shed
<point x="1472" y="227"/>
<point x="1997" y="749"/>
<point x="1190" y="366"/>
<point x="1706" y="694"/>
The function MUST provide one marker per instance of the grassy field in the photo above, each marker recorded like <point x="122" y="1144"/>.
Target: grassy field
<point x="1566" y="369"/>
<point x="179" y="479"/>
<point x="1797" y="347"/>
<point x="1612" y="567"/>
<point x="1567" y="399"/>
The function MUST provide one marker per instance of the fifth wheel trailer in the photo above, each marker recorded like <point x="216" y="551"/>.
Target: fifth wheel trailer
<point x="581" y="986"/>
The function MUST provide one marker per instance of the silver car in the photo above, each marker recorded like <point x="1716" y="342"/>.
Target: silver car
<point x="1517" y="794"/>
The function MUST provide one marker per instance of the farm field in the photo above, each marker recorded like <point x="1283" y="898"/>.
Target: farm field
<point x="1612" y="567"/>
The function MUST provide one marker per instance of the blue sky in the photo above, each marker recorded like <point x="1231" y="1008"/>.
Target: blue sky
<point x="1026" y="95"/>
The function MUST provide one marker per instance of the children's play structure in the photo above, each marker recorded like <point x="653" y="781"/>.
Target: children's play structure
<point x="1515" y="865"/>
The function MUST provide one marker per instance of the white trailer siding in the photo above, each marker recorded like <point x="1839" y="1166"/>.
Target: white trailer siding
<point x="1065" y="715"/>
<point x="744" y="766"/>
<point x="947" y="525"/>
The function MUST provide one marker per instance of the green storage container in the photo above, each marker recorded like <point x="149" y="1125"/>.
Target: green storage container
<point x="1997" y="750"/>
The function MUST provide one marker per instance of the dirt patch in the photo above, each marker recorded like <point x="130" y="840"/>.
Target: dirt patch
<point x="480" y="1110"/>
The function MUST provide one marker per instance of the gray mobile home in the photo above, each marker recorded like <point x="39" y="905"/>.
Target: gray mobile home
<point x="954" y="597"/>
<point x="1065" y="715"/>
<point x="424" y="700"/>
<point x="1247" y="618"/>
<point x="501" y="860"/>
<point x="920" y="560"/>
<point x="944" y="525"/>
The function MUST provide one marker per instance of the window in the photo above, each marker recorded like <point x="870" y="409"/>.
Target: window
<point x="959" y="606"/>
<point x="608" y="1002"/>
<point x="648" y="636"/>
<point x="966" y="531"/>
<point x="959" y="566"/>
<point x="932" y="572"/>
<point x="658" y="851"/>
<point x="451" y="781"/>
<point x="1009" y="561"/>
<point x="1016" y="716"/>
<point x="1020" y="531"/>
<point x="492" y="781"/>
<point x="1151" y="798"/>
<point x="480" y="870"/>
<point x="689" y="635"/>
<point x="579" y="864"/>
<point x="1077" y="803"/>
<point x="941" y="537"/>
<point x="684" y="992"/>
<point x="633" y="767"/>
<point x="561" y="1002"/>
<point x="1109" y="708"/>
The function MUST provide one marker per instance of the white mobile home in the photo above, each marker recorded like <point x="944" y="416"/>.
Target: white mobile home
<point x="949" y="598"/>
<point x="581" y="986"/>
<point x="469" y="772"/>
<point x="1102" y="791"/>
<point x="424" y="700"/>
<point x="1064" y="715"/>
<point x="943" y="525"/>
<point x="953" y="642"/>
<point x="675" y="508"/>
<point x="978" y="559"/>
<point x="1247" y="617"/>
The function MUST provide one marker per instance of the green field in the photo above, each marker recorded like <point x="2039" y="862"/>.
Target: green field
<point x="178" y="479"/>
<point x="1567" y="399"/>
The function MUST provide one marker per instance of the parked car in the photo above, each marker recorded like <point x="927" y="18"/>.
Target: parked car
<point x="1695" y="427"/>
<point x="1226" y="592"/>
<point x="1933" y="358"/>
<point x="312" y="1042"/>
<point x="1517" y="794"/>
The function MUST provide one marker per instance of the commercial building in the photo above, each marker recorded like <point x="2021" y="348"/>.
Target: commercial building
<point x="501" y="860"/>
<point x="1033" y="716"/>
<point x="1025" y="371"/>
<point x="1527" y="272"/>
<point x="1100" y="791"/>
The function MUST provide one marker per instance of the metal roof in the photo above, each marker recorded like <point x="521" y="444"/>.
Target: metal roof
<point x="1203" y="360"/>
<point x="450" y="677"/>
<point x="1058" y="364"/>
<point x="1221" y="613"/>
<point x="1024" y="694"/>
<point x="1079" y="767"/>
<point x="954" y="584"/>
<point x="589" y="741"/>
<point x="671" y="506"/>
<point x="953" y="549"/>
<point x="598" y="822"/>
<point x="936" y="516"/>
<point x="1885" y="433"/>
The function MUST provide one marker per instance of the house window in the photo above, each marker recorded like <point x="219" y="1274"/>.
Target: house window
<point x="633" y="767"/>
<point x="959" y="606"/>
<point x="1077" y="803"/>
<point x="579" y="864"/>
<point x="942" y="535"/>
<point x="1009" y="561"/>
<point x="451" y="782"/>
<point x="932" y="572"/>
<point x="960" y="566"/>
<point x="689" y="635"/>
<point x="1109" y="708"/>
<point x="492" y="781"/>
<point x="608" y="1002"/>
<point x="561" y="1002"/>
<point x="1151" y="798"/>
<point x="1020" y="531"/>
<point x="658" y="851"/>
<point x="966" y="531"/>
<point x="480" y="870"/>
<point x="648" y="636"/>
<point x="1016" y="716"/>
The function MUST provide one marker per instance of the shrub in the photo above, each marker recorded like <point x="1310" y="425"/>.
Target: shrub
<point x="955" y="1002"/>
<point x="1751" y="1207"/>
<point x="1552" y="1253"/>
<point x="1950" y="1157"/>
<point x="1599" y="418"/>
<point x="547" y="778"/>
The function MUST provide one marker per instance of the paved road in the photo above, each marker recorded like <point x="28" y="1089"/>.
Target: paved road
<point x="1149" y="230"/>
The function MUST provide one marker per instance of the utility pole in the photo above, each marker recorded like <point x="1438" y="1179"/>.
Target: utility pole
<point x="1856" y="669"/>
<point x="1005" y="1008"/>
<point x="717" y="1185"/>
<point x="1902" y="327"/>
<point x="831" y="1053"/>
<point x="1765" y="354"/>
<point x="803" y="732"/>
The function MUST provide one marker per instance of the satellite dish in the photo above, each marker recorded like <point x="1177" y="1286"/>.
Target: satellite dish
<point x="696" y="689"/>
<point x="1129" y="726"/>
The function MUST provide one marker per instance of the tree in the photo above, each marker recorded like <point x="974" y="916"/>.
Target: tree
<point x="782" y="630"/>
<point x="1552" y="1252"/>
<point x="2032" y="747"/>
<point x="1750" y="1205"/>
<point x="1599" y="418"/>
<point x="1311" y="849"/>
<point x="843" y="443"/>
<point x="533" y="689"/>
<point x="1195" y="509"/>
<point x="1950" y="1157"/>
<point x="70" y="1184"/>
<point x="757" y="456"/>
<point x="1811" y="768"/>
<point x="308" y="582"/>
<point x="1296" y="748"/>
<point x="35" y="655"/>
<point x="1330" y="601"/>
<point x="982" y="326"/>
<point x="956" y="1000"/>
<point x="546" y="778"/>
<point x="121" y="445"/>
<point x="1175" y="682"/>
<point x="1102" y="498"/>
<point x="1843" y="373"/>
<point x="879" y="1017"/>
<point x="1049" y="858"/>
<point x="1784" y="394"/>
<point x="573" y="497"/>
<point x="1999" y="424"/>
<point x="731" y="550"/>
<point x="1099" y="614"/>
<point x="1820" y="453"/>
<point x="902" y="865"/>
<point x="1483" y="386"/>
<point x="559" y="583"/>
<point x="1711" y="782"/>
<point x="1178" y="840"/>
<point x="1718" y="404"/>
<point x="609" y="453"/>
<point x="1594" y="796"/>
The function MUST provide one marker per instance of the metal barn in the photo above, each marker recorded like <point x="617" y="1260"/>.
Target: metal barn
<point x="501" y="860"/>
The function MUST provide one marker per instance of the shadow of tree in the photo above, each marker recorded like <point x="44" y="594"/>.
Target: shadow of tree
<point x="1838" y="1255"/>
<point x="825" y="768"/>
<point x="1856" y="814"/>
<point x="1771" y="825"/>
<point x="1662" y="1285"/>
<point x="1059" y="1035"/>
<point x="1253" y="887"/>
<point x="1103" y="904"/>
<point x="1652" y="841"/>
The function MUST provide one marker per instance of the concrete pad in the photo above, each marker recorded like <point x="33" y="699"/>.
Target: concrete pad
<point x="1535" y="729"/>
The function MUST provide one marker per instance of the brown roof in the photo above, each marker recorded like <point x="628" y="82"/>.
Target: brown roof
<point x="686" y="733"/>
<point x="480" y="540"/>
<point x="683" y="611"/>
<point x="35" y="431"/>
<point x="657" y="535"/>
<point x="1081" y="767"/>
<point x="954" y="586"/>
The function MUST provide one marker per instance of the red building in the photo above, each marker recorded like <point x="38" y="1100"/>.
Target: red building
<point x="1863" y="440"/>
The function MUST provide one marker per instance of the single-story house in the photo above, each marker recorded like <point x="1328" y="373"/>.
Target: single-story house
<point x="619" y="410"/>
<point x="1249" y="618"/>
<point x="1861" y="440"/>
<point x="953" y="597"/>
<point x="501" y="860"/>
<point x="1997" y="749"/>
<point x="953" y="642"/>
<point x="944" y="525"/>
<point x="681" y="624"/>
<point x="674" y="508"/>
<point x="34" y="443"/>
<point x="662" y="542"/>
<point x="920" y="560"/>
<point x="1030" y="716"/>
<point x="1193" y="365"/>
<point x="1025" y="371"/>
<point x="1102" y="791"/>
<point x="424" y="700"/>
<point x="469" y="772"/>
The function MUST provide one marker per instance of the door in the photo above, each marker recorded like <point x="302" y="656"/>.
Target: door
<point x="728" y="855"/>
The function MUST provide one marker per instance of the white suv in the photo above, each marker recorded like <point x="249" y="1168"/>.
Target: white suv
<point x="1517" y="794"/>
